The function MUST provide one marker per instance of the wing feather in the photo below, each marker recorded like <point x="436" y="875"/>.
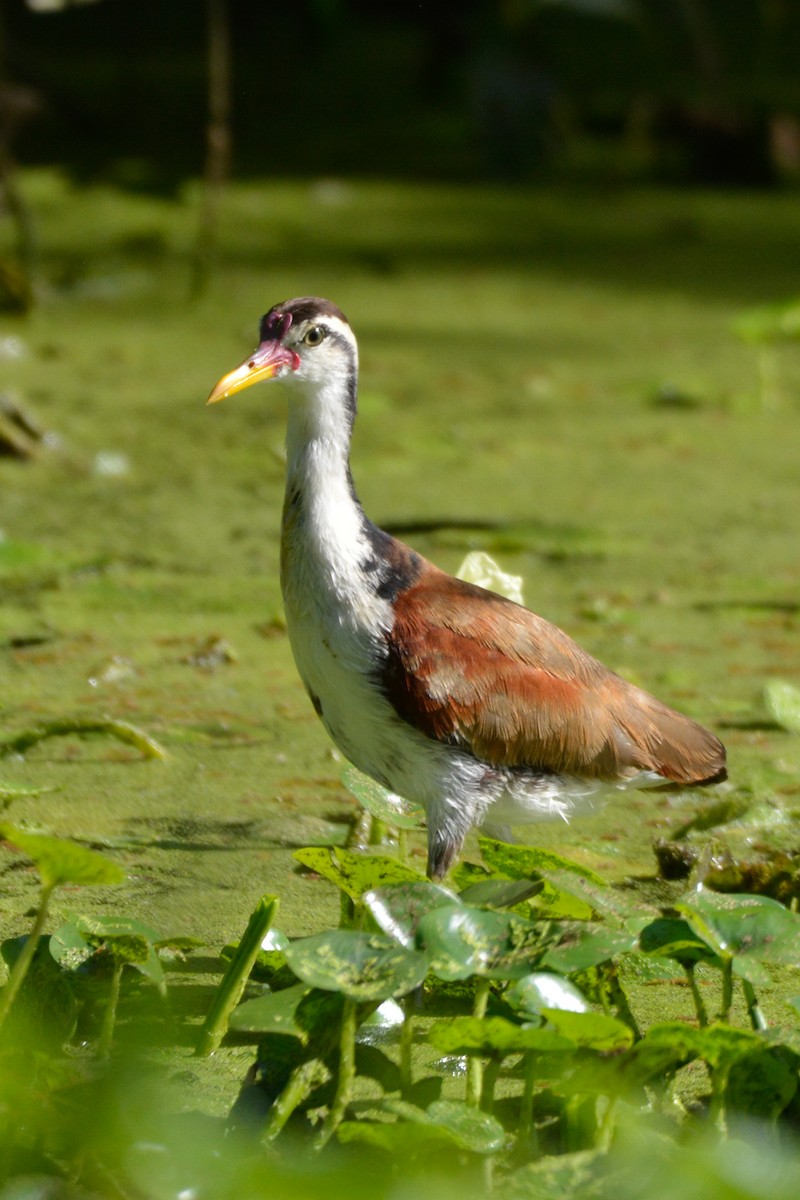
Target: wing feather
<point x="471" y="668"/>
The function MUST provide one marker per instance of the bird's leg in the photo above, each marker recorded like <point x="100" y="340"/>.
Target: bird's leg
<point x="447" y="827"/>
<point x="442" y="850"/>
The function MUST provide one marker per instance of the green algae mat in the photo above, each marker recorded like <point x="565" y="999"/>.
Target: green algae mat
<point x="599" y="389"/>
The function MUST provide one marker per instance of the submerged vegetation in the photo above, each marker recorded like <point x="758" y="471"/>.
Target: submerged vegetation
<point x="546" y="376"/>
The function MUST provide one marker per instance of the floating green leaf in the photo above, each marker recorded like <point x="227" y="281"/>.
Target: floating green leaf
<point x="769" y="323"/>
<point x="500" y="893"/>
<point x="59" y="861"/>
<point x="552" y="903"/>
<point x="656" y="1056"/>
<point x="673" y="937"/>
<point x="750" y="930"/>
<point x="399" y="908"/>
<point x="356" y="873"/>
<point x="47" y="1011"/>
<point x="782" y="702"/>
<point x="492" y="889"/>
<point x="588" y="947"/>
<point x="362" y="966"/>
<point x="463" y="941"/>
<point x="761" y="1083"/>
<point x="123" y="731"/>
<point x="590" y="1030"/>
<point x="274" y="1012"/>
<point x="598" y="897"/>
<point x="524" y="862"/>
<point x="128" y="949"/>
<point x="124" y="939"/>
<point x="493" y="1035"/>
<point x="471" y="1129"/>
<point x="381" y="803"/>
<point x="542" y="989"/>
<point x="420" y="1131"/>
<point x="9" y="792"/>
<point x="480" y="568"/>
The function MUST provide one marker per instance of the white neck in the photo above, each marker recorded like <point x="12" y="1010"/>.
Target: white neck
<point x="323" y="524"/>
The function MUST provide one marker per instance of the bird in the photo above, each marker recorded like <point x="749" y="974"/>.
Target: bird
<point x="448" y="695"/>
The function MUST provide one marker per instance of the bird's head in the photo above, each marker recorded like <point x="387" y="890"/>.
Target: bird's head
<point x="304" y="341"/>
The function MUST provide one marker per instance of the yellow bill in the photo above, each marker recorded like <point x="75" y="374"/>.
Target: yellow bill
<point x="264" y="363"/>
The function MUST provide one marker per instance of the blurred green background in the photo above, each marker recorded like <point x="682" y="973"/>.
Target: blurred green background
<point x="697" y="91"/>
<point x="566" y="236"/>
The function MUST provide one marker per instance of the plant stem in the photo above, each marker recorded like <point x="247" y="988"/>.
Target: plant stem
<point x="21" y="966"/>
<point x="757" y="1018"/>
<point x="406" y="1044"/>
<point x="347" y="911"/>
<point x="122" y="730"/>
<point x="378" y="831"/>
<point x="719" y="1083"/>
<point x="606" y="1131"/>
<point x="727" y="990"/>
<point x="489" y="1080"/>
<point x="474" y="1064"/>
<point x="110" y="1015"/>
<point x="620" y="1002"/>
<point x="402" y="845"/>
<point x="347" y="1071"/>
<point x="360" y="830"/>
<point x="302" y="1082"/>
<point x="699" y="1003"/>
<point x="527" y="1136"/>
<point x="231" y="986"/>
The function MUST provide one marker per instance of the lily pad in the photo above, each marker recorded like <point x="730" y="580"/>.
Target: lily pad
<point x="493" y="1035"/>
<point x="747" y="929"/>
<point x="59" y="861"/>
<point x="523" y="862"/>
<point x="124" y="939"/>
<point x="381" y="803"/>
<point x="597" y="896"/>
<point x="128" y="949"/>
<point x="588" y="947"/>
<point x="472" y="1129"/>
<point x="782" y="702"/>
<point x="492" y="889"/>
<point x="399" y="908"/>
<point x="463" y="941"/>
<point x="419" y="1131"/>
<point x="9" y="792"/>
<point x="361" y="966"/>
<point x="673" y="937"/>
<point x="761" y="1083"/>
<point x="274" y="1012"/>
<point x="590" y="1030"/>
<point x="500" y="893"/>
<point x="480" y="568"/>
<point x="46" y="1011"/>
<point x="356" y="873"/>
<point x="543" y="989"/>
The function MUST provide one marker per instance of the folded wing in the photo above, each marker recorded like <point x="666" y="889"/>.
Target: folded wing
<point x="471" y="668"/>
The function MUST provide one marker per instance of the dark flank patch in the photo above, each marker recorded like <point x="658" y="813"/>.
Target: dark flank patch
<point x="391" y="564"/>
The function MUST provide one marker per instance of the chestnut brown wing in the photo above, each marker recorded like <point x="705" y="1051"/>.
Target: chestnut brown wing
<point x="472" y="668"/>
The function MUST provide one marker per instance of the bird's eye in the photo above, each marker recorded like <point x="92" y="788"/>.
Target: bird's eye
<point x="315" y="335"/>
